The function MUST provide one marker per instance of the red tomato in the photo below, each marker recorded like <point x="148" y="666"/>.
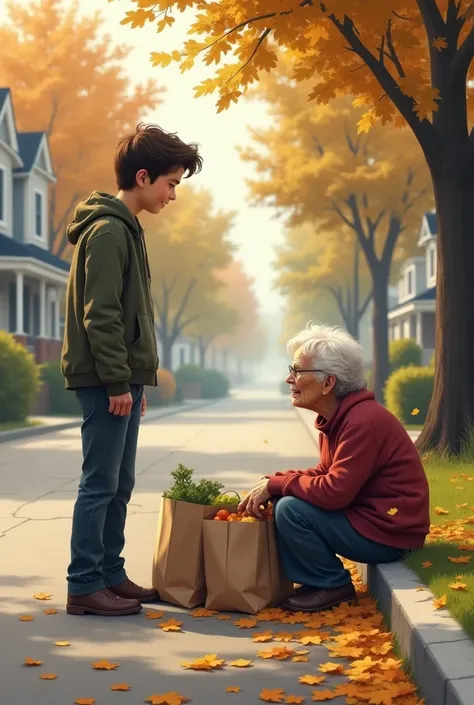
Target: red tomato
<point x="223" y="514"/>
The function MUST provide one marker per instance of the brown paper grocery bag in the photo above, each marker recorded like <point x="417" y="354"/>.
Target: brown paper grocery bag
<point x="178" y="563"/>
<point x="242" y="567"/>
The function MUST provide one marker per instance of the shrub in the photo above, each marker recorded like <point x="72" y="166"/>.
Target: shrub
<point x="409" y="388"/>
<point x="19" y="377"/>
<point x="178" y="395"/>
<point x="403" y="353"/>
<point x="61" y="400"/>
<point x="164" y="393"/>
<point x="215" y="385"/>
<point x="188" y="373"/>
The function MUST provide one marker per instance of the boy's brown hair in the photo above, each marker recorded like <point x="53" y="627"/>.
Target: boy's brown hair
<point x="156" y="151"/>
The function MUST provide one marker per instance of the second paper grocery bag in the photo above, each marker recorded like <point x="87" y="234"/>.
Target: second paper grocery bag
<point x="242" y="567"/>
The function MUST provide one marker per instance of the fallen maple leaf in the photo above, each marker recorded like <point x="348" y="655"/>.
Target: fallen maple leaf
<point x="265" y="442"/>
<point x="171" y="698"/>
<point x="331" y="667"/>
<point x="50" y="610"/>
<point x="461" y="506"/>
<point x="32" y="662"/>
<point x="224" y="617"/>
<point x="26" y="618"/>
<point x="312" y="680"/>
<point x="245" y="622"/>
<point x="426" y="564"/>
<point x="415" y="412"/>
<point x="241" y="663"/>
<point x="440" y="511"/>
<point x="172" y="625"/>
<point x="209" y="662"/>
<point x="285" y="636"/>
<point x="321" y="695"/>
<point x="300" y="659"/>
<point x="120" y="686"/>
<point x="392" y="511"/>
<point x="104" y="665"/>
<point x="460" y="559"/>
<point x="232" y="689"/>
<point x="296" y="699"/>
<point x="202" y="612"/>
<point x="42" y="596"/>
<point x="458" y="586"/>
<point x="465" y="547"/>
<point x="272" y="696"/>
<point x="262" y="637"/>
<point x="420" y="589"/>
<point x="62" y="643"/>
<point x="48" y="676"/>
<point x="440" y="603"/>
<point x="85" y="701"/>
<point x="154" y="614"/>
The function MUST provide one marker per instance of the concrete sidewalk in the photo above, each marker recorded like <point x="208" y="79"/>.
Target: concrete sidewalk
<point x="237" y="441"/>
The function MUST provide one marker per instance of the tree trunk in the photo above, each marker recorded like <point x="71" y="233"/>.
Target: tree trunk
<point x="356" y="294"/>
<point x="202" y="353"/>
<point x="380" y="362"/>
<point x="451" y="412"/>
<point x="166" y="353"/>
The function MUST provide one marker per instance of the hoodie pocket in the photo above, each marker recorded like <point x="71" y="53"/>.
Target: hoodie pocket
<point x="143" y="354"/>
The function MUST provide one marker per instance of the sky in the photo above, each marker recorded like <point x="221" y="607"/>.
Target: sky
<point x="256" y="231"/>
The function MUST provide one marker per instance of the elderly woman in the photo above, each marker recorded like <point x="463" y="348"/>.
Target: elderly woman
<point x="367" y="500"/>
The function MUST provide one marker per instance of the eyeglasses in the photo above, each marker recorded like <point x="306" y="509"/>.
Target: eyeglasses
<point x="294" y="372"/>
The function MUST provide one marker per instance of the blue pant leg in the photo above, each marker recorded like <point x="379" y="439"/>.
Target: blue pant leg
<point x="114" y="528"/>
<point x="103" y="442"/>
<point x="310" y="540"/>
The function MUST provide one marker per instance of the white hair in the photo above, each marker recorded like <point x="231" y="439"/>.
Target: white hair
<point x="334" y="352"/>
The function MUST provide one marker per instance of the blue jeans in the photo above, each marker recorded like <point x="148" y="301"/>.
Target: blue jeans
<point x="109" y="446"/>
<point x="309" y="538"/>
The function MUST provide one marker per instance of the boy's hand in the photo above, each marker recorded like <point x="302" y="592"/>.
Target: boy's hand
<point x="143" y="406"/>
<point x="121" y="405"/>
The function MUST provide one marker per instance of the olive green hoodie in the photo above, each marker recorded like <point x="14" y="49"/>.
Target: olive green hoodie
<point x="109" y="337"/>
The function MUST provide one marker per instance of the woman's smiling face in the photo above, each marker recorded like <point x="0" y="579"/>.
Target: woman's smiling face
<point x="305" y="387"/>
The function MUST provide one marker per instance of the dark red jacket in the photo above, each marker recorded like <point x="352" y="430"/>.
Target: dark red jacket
<point x="368" y="465"/>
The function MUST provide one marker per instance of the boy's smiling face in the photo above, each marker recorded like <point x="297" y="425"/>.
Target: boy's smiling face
<point x="155" y="196"/>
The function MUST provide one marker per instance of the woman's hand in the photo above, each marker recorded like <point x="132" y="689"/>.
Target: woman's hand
<point x="258" y="495"/>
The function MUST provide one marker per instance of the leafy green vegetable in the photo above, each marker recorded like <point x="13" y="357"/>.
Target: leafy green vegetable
<point x="184" y="489"/>
<point x="229" y="498"/>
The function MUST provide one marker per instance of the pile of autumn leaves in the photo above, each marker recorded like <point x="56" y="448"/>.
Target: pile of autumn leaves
<point x="374" y="675"/>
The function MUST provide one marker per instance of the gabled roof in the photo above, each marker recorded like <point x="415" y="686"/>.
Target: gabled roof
<point x="4" y="93"/>
<point x="427" y="295"/>
<point x="29" y="144"/>
<point x="13" y="248"/>
<point x="432" y="222"/>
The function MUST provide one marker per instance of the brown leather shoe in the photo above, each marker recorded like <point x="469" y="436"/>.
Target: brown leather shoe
<point x="103" y="602"/>
<point x="313" y="600"/>
<point x="131" y="591"/>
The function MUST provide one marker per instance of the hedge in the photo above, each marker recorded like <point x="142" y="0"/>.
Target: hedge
<point x="61" y="400"/>
<point x="407" y="389"/>
<point x="403" y="353"/>
<point x="165" y="392"/>
<point x="214" y="385"/>
<point x="188" y="373"/>
<point x="19" y="377"/>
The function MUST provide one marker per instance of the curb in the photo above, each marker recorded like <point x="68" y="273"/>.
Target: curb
<point x="152" y="415"/>
<point x="439" y="651"/>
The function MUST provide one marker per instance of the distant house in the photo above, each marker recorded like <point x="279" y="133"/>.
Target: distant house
<point x="32" y="279"/>
<point x="413" y="316"/>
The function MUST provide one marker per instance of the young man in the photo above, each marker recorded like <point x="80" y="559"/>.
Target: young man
<point x="109" y="354"/>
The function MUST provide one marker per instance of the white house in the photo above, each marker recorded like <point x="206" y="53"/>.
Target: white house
<point x="414" y="314"/>
<point x="32" y="279"/>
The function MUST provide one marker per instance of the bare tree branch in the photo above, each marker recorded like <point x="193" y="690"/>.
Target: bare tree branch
<point x="366" y="303"/>
<point x="177" y="325"/>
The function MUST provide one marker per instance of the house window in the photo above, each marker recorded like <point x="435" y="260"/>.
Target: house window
<point x="432" y="263"/>
<point x="12" y="307"/>
<point x="39" y="214"/>
<point x="409" y="282"/>
<point x="3" y="183"/>
<point x="52" y="310"/>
